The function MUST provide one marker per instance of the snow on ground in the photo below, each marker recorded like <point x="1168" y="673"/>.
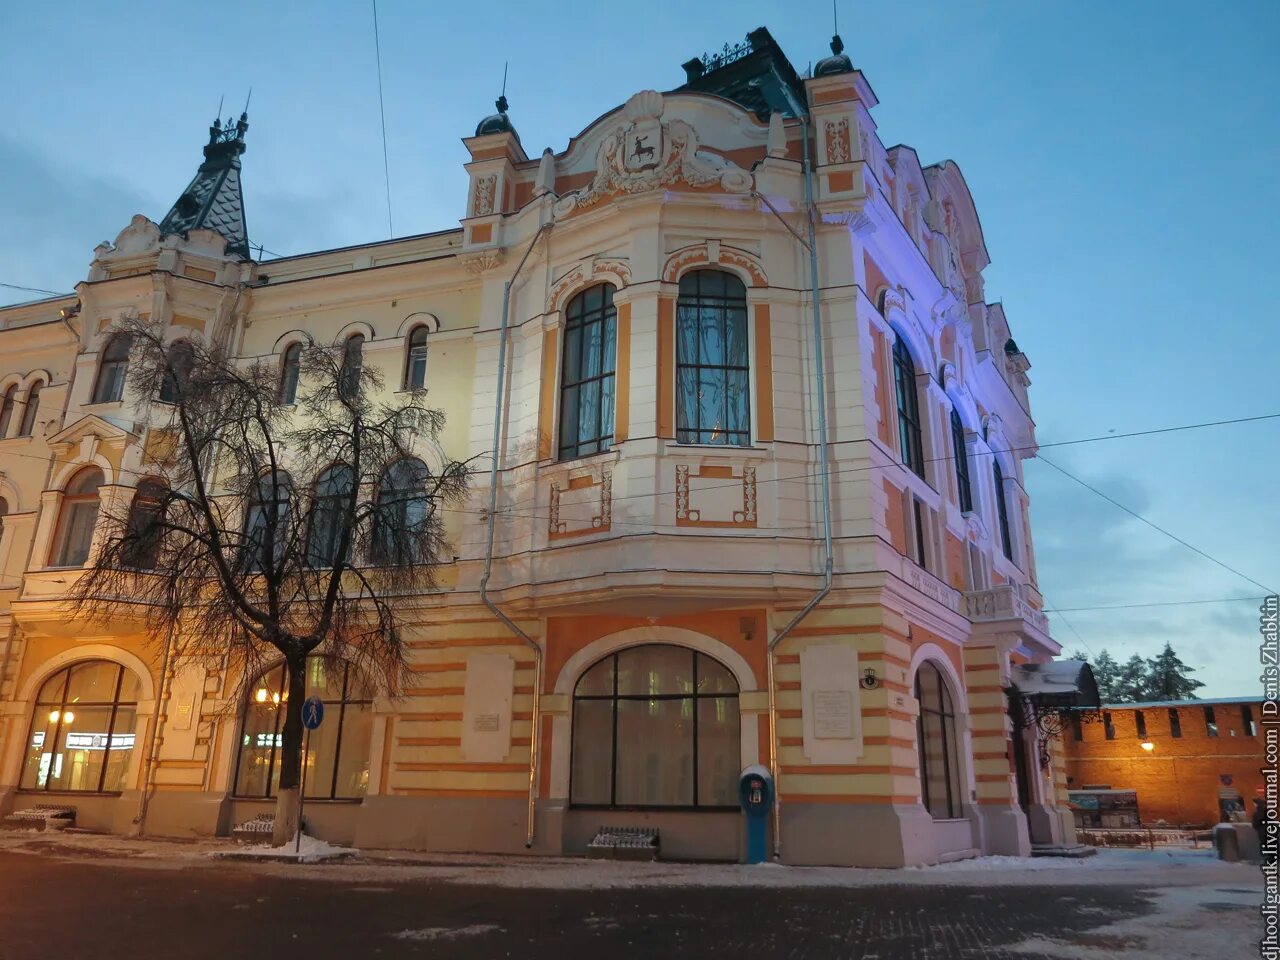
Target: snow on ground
<point x="304" y="850"/>
<point x="1146" y="868"/>
<point x="448" y="933"/>
<point x="1190" y="923"/>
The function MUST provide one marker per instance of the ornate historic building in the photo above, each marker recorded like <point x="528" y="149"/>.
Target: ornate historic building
<point x="757" y="498"/>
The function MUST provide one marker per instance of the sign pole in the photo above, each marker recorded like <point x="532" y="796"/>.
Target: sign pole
<point x="302" y="792"/>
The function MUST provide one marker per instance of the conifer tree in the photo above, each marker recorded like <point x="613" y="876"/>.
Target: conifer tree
<point x="1167" y="677"/>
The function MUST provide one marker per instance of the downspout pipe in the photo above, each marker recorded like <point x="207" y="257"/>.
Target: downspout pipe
<point x="488" y="550"/>
<point x="828" y="562"/>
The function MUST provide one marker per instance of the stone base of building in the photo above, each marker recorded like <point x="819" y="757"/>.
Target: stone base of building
<point x="1004" y="831"/>
<point x="872" y="835"/>
<point x="1051" y="824"/>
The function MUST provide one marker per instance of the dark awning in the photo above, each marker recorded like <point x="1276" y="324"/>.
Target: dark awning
<point x="1059" y="684"/>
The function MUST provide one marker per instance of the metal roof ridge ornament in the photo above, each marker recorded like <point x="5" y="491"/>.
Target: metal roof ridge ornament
<point x="647" y="153"/>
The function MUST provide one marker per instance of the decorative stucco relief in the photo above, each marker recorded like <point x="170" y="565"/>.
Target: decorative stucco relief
<point x="485" y="187"/>
<point x="604" y="268"/>
<point x="712" y="495"/>
<point x="838" y="141"/>
<point x="647" y="152"/>
<point x="715" y="253"/>
<point x="576" y="492"/>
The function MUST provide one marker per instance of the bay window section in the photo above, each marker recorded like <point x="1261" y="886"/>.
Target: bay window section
<point x="587" y="373"/>
<point x="713" y="365"/>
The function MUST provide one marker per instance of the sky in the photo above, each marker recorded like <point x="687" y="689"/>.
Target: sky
<point x="1122" y="156"/>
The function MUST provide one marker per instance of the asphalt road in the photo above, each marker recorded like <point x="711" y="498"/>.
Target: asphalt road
<point x="106" y="909"/>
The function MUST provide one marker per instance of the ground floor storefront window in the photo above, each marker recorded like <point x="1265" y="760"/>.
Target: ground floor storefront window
<point x="656" y="726"/>
<point x="936" y="738"/>
<point x="83" y="729"/>
<point x="337" y="757"/>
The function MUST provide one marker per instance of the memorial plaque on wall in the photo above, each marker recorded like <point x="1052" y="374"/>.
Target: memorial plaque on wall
<point x="832" y="714"/>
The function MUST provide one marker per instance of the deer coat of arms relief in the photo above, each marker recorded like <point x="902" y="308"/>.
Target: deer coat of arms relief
<point x="646" y="153"/>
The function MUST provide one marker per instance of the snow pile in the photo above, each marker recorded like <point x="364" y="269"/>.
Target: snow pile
<point x="306" y="850"/>
<point x="447" y="933"/>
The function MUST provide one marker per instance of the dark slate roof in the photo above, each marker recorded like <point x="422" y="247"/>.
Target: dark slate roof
<point x="498" y="122"/>
<point x="736" y="71"/>
<point x="213" y="200"/>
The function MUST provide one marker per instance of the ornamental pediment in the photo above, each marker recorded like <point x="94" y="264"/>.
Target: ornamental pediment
<point x="88" y="434"/>
<point x="646" y="147"/>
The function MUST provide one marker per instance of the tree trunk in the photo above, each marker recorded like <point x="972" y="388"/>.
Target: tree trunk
<point x="287" y="824"/>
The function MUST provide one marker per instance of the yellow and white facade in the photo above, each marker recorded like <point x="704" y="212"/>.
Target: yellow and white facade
<point x="646" y="558"/>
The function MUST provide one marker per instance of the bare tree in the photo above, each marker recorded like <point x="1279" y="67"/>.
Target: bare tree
<point x="270" y="529"/>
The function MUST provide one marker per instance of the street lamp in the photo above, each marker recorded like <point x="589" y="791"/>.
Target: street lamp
<point x="1147" y="745"/>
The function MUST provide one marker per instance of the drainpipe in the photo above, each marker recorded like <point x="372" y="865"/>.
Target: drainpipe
<point x="154" y="739"/>
<point x="828" y="562"/>
<point x="488" y="550"/>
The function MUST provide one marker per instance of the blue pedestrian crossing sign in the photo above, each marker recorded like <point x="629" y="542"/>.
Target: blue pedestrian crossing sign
<point x="312" y="712"/>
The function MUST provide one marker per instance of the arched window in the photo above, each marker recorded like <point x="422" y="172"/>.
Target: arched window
<point x="587" y="373"/>
<point x="403" y="513"/>
<point x="260" y="541"/>
<point x="29" y="414"/>
<point x="904" y="378"/>
<point x="181" y="358"/>
<point x="143" y="533"/>
<point x="936" y="740"/>
<point x="112" y="368"/>
<point x="4" y="512"/>
<point x="656" y="726"/>
<point x="337" y="758"/>
<point x="964" y="489"/>
<point x="415" y="367"/>
<point x="6" y="409"/>
<point x="82" y="732"/>
<point x="1002" y="510"/>
<point x="78" y="519"/>
<point x="713" y="366"/>
<point x="352" y="363"/>
<point x="290" y="367"/>
<point x="330" y="515"/>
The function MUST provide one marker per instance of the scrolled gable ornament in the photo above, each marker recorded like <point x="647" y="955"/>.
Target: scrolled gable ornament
<point x="646" y="153"/>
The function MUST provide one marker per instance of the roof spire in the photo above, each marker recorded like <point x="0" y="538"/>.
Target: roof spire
<point x="498" y="122"/>
<point x="213" y="200"/>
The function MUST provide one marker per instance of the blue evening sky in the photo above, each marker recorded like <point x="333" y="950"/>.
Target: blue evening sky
<point x="1123" y="158"/>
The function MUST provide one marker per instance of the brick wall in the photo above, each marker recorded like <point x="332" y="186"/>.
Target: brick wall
<point x="1179" y="780"/>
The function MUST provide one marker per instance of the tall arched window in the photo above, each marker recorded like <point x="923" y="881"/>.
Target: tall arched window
<point x="143" y="533"/>
<point x="587" y="373"/>
<point x="82" y="732"/>
<point x="964" y="489"/>
<point x="403" y="513"/>
<point x="904" y="378"/>
<point x="1002" y="510"/>
<point x="6" y="409"/>
<point x="415" y="366"/>
<point x="713" y="360"/>
<point x="32" y="408"/>
<point x="181" y="358"/>
<point x="4" y="512"/>
<point x="78" y="519"/>
<point x="329" y="514"/>
<point x="290" y="367"/>
<point x="936" y="740"/>
<point x="112" y="368"/>
<point x="259" y="536"/>
<point x="656" y="726"/>
<point x="352" y="364"/>
<point x="337" y="758"/>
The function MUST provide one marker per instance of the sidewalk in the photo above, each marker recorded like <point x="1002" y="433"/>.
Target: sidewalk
<point x="1111" y="867"/>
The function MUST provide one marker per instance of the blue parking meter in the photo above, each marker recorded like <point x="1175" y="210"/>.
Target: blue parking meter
<point x="755" y="795"/>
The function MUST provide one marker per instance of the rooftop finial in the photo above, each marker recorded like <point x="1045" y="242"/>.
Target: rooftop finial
<point x="835" y="19"/>
<point x="501" y="102"/>
<point x="837" y="45"/>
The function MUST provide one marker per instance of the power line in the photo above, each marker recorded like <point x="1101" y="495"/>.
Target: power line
<point x="1165" y="603"/>
<point x="1155" y="526"/>
<point x="1028" y="447"/>
<point x="53" y="293"/>
<point x="386" y="167"/>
